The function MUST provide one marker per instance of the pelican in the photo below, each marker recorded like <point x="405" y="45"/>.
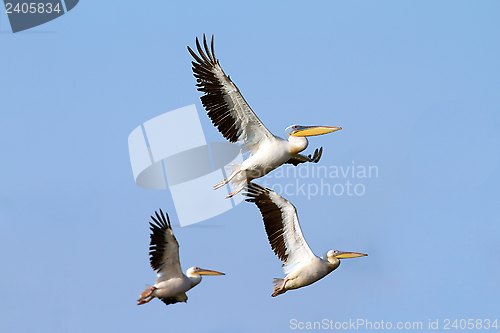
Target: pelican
<point x="171" y="284"/>
<point x="285" y="236"/>
<point x="234" y="118"/>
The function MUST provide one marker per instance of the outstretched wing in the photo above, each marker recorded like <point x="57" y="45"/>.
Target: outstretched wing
<point x="282" y="226"/>
<point x="298" y="158"/>
<point x="224" y="103"/>
<point x="163" y="248"/>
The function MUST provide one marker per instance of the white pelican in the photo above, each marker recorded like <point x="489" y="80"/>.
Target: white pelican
<point x="171" y="284"/>
<point x="231" y="114"/>
<point x="285" y="236"/>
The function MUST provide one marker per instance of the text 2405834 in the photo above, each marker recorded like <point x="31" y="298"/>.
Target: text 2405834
<point x="32" y="8"/>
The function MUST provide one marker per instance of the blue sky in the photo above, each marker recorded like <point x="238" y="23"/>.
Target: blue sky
<point x="414" y="85"/>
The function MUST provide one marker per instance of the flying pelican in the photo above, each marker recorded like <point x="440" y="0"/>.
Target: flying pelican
<point x="231" y="114"/>
<point x="285" y="236"/>
<point x="171" y="284"/>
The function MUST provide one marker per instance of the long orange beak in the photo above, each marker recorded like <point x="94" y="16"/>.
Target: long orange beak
<point x="201" y="271"/>
<point x="314" y="130"/>
<point x="347" y="255"/>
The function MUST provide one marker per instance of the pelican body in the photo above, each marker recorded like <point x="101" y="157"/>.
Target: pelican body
<point x="283" y="230"/>
<point x="236" y="121"/>
<point x="171" y="284"/>
<point x="270" y="155"/>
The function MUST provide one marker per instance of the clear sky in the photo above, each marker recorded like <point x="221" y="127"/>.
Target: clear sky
<point x="414" y="85"/>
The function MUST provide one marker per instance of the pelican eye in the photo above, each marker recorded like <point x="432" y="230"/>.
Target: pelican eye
<point x="332" y="253"/>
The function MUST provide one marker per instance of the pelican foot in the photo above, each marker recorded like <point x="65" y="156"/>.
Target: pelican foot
<point x="280" y="290"/>
<point x="144" y="301"/>
<point x="146" y="296"/>
<point x="238" y="189"/>
<point x="228" y="179"/>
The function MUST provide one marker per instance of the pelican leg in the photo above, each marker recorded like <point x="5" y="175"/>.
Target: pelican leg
<point x="146" y="300"/>
<point x="228" y="179"/>
<point x="281" y="289"/>
<point x="283" y="284"/>
<point x="145" y="295"/>
<point x="245" y="182"/>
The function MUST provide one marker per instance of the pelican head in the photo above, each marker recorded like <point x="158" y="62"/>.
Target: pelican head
<point x="302" y="131"/>
<point x="335" y="255"/>
<point x="195" y="273"/>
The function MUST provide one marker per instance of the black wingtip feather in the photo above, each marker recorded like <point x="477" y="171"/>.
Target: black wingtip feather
<point x="170" y="300"/>
<point x="272" y="216"/>
<point x="157" y="242"/>
<point x="207" y="71"/>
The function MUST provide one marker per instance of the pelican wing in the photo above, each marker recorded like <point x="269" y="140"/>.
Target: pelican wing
<point x="163" y="248"/>
<point x="298" y="158"/>
<point x="176" y="299"/>
<point x="282" y="226"/>
<point x="224" y="103"/>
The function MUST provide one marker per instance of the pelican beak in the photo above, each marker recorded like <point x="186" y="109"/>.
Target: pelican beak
<point x="314" y="130"/>
<point x="201" y="271"/>
<point x="347" y="255"/>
